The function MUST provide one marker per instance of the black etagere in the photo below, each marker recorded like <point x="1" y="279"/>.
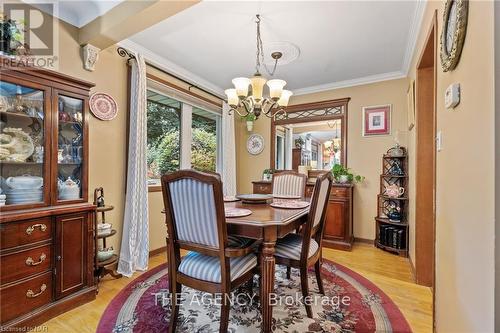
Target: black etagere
<point x="392" y="203"/>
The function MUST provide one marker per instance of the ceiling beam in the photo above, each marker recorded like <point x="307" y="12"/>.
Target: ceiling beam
<point x="127" y="19"/>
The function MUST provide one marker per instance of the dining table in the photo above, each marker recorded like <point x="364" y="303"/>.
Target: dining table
<point x="266" y="224"/>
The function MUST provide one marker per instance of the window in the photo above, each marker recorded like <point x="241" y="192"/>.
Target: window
<point x="204" y="140"/>
<point x="170" y="145"/>
<point x="164" y="123"/>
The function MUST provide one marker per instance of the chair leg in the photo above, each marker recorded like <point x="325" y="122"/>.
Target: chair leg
<point x="305" y="290"/>
<point x="317" y="270"/>
<point x="224" y="314"/>
<point x="177" y="289"/>
<point x="288" y="272"/>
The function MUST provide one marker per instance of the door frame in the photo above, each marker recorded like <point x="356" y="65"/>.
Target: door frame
<point x="426" y="123"/>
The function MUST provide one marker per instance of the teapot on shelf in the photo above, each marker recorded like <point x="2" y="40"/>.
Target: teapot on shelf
<point x="394" y="191"/>
<point x="68" y="189"/>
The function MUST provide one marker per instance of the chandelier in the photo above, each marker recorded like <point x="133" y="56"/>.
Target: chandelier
<point x="247" y="94"/>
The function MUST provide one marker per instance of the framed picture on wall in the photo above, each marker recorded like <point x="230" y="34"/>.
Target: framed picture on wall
<point x="377" y="120"/>
<point x="411" y="105"/>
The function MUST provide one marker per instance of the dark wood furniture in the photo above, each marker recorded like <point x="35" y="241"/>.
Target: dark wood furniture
<point x="267" y="224"/>
<point x="296" y="158"/>
<point x="101" y="267"/>
<point x="392" y="235"/>
<point x="47" y="242"/>
<point x="339" y="217"/>
<point x="223" y="252"/>
<point x="313" y="229"/>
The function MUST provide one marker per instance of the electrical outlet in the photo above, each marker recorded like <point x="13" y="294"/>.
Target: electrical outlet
<point x="439" y="141"/>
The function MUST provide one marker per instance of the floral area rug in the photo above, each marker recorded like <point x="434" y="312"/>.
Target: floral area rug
<point x="351" y="304"/>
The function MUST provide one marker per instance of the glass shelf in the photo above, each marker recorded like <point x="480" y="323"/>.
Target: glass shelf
<point x="22" y="142"/>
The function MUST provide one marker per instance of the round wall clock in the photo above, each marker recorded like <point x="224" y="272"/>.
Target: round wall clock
<point x="103" y="106"/>
<point x="453" y="35"/>
<point x="255" y="144"/>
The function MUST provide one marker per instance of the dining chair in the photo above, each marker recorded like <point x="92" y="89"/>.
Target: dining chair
<point x="195" y="218"/>
<point x="304" y="250"/>
<point x="289" y="183"/>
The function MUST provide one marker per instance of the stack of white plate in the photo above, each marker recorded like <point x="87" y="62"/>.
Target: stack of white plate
<point x="21" y="195"/>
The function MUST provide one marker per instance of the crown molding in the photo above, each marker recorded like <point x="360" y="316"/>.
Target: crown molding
<point x="171" y="67"/>
<point x="415" y="27"/>
<point x="350" y="83"/>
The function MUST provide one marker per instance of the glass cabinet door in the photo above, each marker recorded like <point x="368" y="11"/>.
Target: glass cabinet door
<point x="23" y="172"/>
<point x="70" y="148"/>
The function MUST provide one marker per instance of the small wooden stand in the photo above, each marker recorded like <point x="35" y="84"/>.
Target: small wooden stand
<point x="101" y="266"/>
<point x="394" y="172"/>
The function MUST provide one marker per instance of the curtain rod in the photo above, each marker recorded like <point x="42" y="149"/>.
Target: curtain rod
<point x="127" y="54"/>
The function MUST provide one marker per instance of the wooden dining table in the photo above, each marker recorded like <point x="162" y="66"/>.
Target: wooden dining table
<point x="267" y="224"/>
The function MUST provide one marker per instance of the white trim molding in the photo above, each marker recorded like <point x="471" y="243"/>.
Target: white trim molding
<point x="171" y="67"/>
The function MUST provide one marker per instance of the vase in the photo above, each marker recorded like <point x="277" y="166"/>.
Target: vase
<point x="249" y="126"/>
<point x="343" y="179"/>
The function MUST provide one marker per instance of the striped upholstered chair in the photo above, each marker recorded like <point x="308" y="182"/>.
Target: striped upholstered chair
<point x="195" y="218"/>
<point x="304" y="250"/>
<point x="289" y="183"/>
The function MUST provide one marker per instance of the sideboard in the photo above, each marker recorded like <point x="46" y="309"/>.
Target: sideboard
<point x="339" y="216"/>
<point x="46" y="223"/>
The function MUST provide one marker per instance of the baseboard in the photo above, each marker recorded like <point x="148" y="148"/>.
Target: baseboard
<point x="412" y="268"/>
<point x="162" y="249"/>
<point x="363" y="240"/>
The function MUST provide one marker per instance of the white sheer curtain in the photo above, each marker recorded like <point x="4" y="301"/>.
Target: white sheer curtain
<point x="228" y="152"/>
<point x="134" y="251"/>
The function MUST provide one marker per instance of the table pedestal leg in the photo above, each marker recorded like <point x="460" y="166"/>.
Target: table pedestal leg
<point x="267" y="284"/>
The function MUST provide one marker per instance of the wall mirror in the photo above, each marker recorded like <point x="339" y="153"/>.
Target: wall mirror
<point x="311" y="136"/>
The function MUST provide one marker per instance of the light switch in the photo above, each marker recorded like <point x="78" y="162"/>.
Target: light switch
<point x="439" y="141"/>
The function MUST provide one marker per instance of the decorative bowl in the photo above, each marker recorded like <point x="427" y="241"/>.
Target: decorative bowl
<point x="105" y="254"/>
<point x="24" y="182"/>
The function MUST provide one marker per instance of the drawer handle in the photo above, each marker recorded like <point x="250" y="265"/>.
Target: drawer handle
<point x="31" y="294"/>
<point x="31" y="262"/>
<point x="32" y="228"/>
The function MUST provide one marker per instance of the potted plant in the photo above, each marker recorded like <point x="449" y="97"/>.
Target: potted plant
<point x="299" y="142"/>
<point x="249" y="118"/>
<point x="343" y="175"/>
<point x="268" y="174"/>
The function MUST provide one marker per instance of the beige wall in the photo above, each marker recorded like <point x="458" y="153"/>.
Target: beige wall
<point x="364" y="154"/>
<point x="465" y="179"/>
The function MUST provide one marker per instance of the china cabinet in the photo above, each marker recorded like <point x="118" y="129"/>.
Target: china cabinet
<point x="46" y="223"/>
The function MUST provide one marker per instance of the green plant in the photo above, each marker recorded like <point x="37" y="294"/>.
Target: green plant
<point x="339" y="170"/>
<point x="249" y="117"/>
<point x="269" y="171"/>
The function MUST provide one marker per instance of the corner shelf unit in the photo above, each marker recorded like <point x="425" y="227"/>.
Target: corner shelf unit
<point x="392" y="235"/>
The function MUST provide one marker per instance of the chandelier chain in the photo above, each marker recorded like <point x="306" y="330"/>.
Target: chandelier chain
<point x="260" y="52"/>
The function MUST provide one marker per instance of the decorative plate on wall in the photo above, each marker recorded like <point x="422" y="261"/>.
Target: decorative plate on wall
<point x="103" y="106"/>
<point x="453" y="35"/>
<point x="255" y="144"/>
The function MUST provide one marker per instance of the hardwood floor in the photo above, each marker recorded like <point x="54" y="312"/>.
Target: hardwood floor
<point x="390" y="273"/>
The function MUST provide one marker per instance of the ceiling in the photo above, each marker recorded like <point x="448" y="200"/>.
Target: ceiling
<point x="341" y="43"/>
<point x="77" y="12"/>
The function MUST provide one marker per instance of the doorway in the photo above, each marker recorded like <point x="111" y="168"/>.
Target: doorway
<point x="425" y="212"/>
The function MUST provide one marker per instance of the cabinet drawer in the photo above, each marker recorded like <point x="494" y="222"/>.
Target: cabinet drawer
<point x="26" y="296"/>
<point x="341" y="192"/>
<point x="22" y="264"/>
<point x="262" y="188"/>
<point x="25" y="232"/>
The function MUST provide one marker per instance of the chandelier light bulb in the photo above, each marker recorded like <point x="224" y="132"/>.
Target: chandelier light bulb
<point x="232" y="97"/>
<point x="241" y="85"/>
<point x="258" y="83"/>
<point x="285" y="97"/>
<point x="275" y="88"/>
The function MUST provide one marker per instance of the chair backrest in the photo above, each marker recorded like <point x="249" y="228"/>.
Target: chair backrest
<point x="289" y="183"/>
<point x="317" y="212"/>
<point x="194" y="208"/>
